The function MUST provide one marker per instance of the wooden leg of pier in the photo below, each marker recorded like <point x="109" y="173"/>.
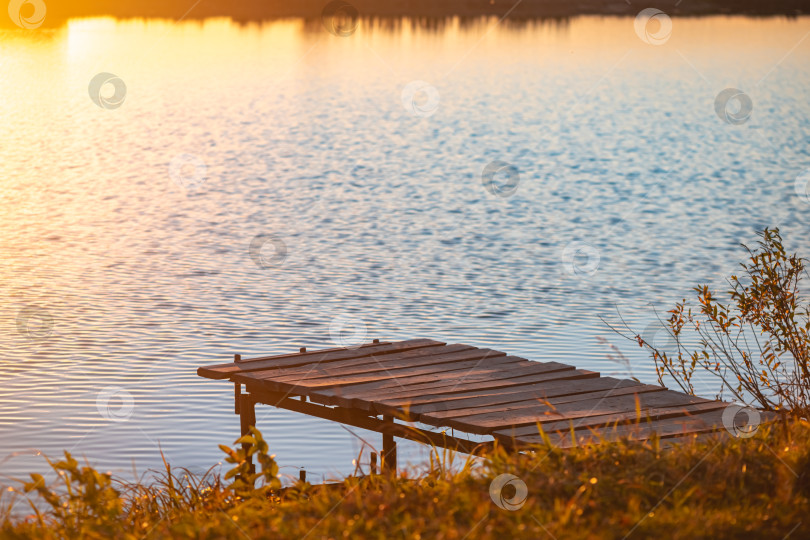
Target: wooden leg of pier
<point x="247" y="418"/>
<point x="389" y="457"/>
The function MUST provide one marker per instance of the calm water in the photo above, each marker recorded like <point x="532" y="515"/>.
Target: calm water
<point x="125" y="231"/>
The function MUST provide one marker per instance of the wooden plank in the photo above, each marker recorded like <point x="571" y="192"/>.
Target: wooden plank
<point x="415" y="357"/>
<point x="389" y="457"/>
<point x="692" y="438"/>
<point x="366" y="400"/>
<point x="217" y="370"/>
<point x="400" y="378"/>
<point x="385" y="370"/>
<point x="397" y="378"/>
<point x="312" y="357"/>
<point x="434" y="402"/>
<point x="303" y="351"/>
<point x="486" y="423"/>
<point x="532" y="403"/>
<point x="590" y="407"/>
<point x="224" y="371"/>
<point x="343" y="366"/>
<point x="629" y="390"/>
<point x="535" y="392"/>
<point x="665" y="442"/>
<point x="664" y="428"/>
<point x="656" y="413"/>
<point x="382" y="380"/>
<point x="247" y="419"/>
<point x="523" y="367"/>
<point x="552" y="403"/>
<point x="440" y="380"/>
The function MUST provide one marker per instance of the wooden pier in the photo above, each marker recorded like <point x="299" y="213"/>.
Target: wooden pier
<point x="379" y="385"/>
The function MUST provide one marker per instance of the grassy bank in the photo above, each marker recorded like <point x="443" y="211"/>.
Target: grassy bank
<point x="730" y="488"/>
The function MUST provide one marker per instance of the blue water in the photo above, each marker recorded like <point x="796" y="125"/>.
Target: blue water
<point x="126" y="231"/>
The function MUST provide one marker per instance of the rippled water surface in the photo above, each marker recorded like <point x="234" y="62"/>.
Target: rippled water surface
<point x="125" y="232"/>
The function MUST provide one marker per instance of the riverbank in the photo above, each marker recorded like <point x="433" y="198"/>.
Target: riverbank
<point x="755" y="487"/>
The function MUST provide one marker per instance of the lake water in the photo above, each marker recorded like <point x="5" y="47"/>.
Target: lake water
<point x="128" y="215"/>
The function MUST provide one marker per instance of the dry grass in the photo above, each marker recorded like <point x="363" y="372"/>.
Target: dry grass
<point x="730" y="488"/>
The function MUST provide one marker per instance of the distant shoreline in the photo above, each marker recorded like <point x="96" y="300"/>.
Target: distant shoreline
<point x="252" y="10"/>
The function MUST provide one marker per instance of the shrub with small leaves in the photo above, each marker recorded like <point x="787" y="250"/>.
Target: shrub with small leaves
<point x="86" y="499"/>
<point x="756" y="343"/>
<point x="242" y="475"/>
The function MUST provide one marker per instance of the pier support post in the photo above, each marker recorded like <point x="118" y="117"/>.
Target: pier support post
<point x="247" y="418"/>
<point x="389" y="457"/>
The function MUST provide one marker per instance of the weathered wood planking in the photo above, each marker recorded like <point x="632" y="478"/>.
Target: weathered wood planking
<point x="386" y="371"/>
<point x="368" y="364"/>
<point x="474" y="390"/>
<point x="452" y="411"/>
<point x="606" y="420"/>
<point x="668" y="423"/>
<point x="365" y="398"/>
<point x="509" y="394"/>
<point x="665" y="428"/>
<point x="224" y="371"/>
<point x="485" y="364"/>
<point x="532" y="413"/>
